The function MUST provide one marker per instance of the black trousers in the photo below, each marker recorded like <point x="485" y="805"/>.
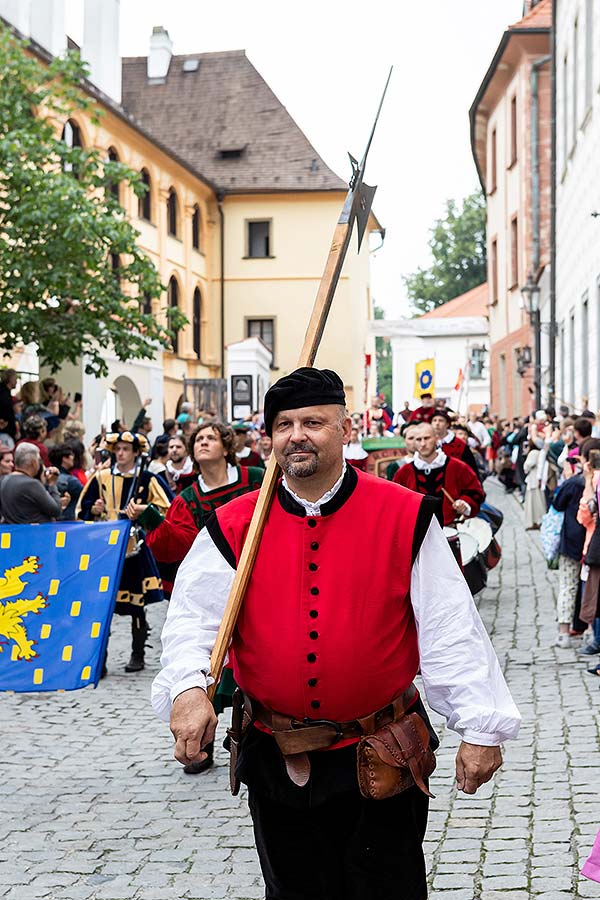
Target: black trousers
<point x="325" y="841"/>
<point x="345" y="849"/>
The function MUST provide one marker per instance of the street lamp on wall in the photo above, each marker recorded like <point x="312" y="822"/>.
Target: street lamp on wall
<point x="530" y="293"/>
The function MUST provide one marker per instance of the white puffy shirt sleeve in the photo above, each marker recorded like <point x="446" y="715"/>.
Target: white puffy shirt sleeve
<point x="195" y="611"/>
<point x="460" y="670"/>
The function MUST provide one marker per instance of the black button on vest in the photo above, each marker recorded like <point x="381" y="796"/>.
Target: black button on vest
<point x="313" y="567"/>
<point x="314" y="545"/>
<point x="313" y="635"/>
<point x="313" y="613"/>
<point x="312" y="682"/>
<point x="314" y="591"/>
<point x="311" y="523"/>
<point x="315" y="704"/>
<point x="312" y="657"/>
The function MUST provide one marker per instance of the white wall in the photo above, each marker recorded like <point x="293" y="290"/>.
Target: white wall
<point x="448" y="342"/>
<point x="578" y="196"/>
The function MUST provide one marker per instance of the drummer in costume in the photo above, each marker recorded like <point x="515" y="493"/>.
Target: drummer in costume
<point x="433" y="473"/>
<point x="219" y="479"/>
<point x="107" y="497"/>
<point x="451" y="445"/>
<point x="354" y="587"/>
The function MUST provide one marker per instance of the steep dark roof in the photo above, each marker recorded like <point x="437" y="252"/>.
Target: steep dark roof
<point x="224" y="119"/>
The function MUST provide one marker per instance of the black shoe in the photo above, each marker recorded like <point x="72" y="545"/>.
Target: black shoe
<point x="196" y="768"/>
<point x="135" y="664"/>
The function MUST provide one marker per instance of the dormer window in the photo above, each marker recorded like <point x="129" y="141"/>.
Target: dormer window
<point x="231" y="152"/>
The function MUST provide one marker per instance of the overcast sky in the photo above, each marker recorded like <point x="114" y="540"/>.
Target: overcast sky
<point x="327" y="62"/>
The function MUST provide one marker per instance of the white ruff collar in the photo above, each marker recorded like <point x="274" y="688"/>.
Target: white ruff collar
<point x="436" y="463"/>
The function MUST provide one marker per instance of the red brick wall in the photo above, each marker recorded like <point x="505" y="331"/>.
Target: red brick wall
<point x="511" y="394"/>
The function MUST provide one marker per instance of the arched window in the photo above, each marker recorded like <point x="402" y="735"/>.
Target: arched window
<point x="146" y="304"/>
<point x="197" y="323"/>
<point x="173" y="297"/>
<point x="71" y="136"/>
<point x="196" y="228"/>
<point x="145" y="202"/>
<point x="172" y="213"/>
<point x="113" y="186"/>
<point x="115" y="265"/>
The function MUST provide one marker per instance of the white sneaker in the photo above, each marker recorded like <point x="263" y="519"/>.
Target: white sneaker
<point x="563" y="641"/>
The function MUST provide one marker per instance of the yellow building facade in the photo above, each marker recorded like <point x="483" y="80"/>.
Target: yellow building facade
<point x="277" y="293"/>
<point x="238" y="219"/>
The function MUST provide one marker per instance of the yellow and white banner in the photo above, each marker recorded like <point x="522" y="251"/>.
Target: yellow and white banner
<point x="424" y="377"/>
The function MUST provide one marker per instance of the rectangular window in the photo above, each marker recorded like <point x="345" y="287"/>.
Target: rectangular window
<point x="514" y="252"/>
<point x="263" y="329"/>
<point x="494" y="271"/>
<point x="513" y="130"/>
<point x="502" y="384"/>
<point x="585" y="356"/>
<point x="575" y="75"/>
<point x="477" y="363"/>
<point x="563" y="386"/>
<point x="572" y="359"/>
<point x="565" y="110"/>
<point x="493" y="161"/>
<point x="259" y="239"/>
<point x="589" y="52"/>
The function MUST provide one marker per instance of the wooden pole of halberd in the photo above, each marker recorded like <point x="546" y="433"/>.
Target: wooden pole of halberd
<point x="314" y="333"/>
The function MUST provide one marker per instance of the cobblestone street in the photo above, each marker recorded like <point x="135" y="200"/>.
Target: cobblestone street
<point x="93" y="805"/>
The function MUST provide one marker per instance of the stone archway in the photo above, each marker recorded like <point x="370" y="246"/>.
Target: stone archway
<point x="128" y="401"/>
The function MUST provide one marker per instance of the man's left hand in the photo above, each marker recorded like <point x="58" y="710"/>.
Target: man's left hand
<point x="475" y="765"/>
<point x="134" y="510"/>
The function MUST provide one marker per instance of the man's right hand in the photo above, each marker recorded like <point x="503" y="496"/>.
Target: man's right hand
<point x="98" y="507"/>
<point x="193" y="725"/>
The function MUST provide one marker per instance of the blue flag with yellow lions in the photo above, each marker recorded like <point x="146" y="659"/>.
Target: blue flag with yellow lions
<point x="58" y="586"/>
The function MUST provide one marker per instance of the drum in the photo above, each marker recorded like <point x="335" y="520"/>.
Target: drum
<point x="451" y="535"/>
<point x="472" y="564"/>
<point x="489" y="548"/>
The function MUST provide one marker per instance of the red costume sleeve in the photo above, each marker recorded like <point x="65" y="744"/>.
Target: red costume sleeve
<point x="175" y="535"/>
<point x="405" y="476"/>
<point x="465" y="485"/>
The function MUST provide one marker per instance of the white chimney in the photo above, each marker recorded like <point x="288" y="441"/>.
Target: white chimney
<point x="101" y="45"/>
<point x="48" y="25"/>
<point x="161" y="50"/>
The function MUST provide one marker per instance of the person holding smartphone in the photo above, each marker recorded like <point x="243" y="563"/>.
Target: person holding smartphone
<point x="30" y="494"/>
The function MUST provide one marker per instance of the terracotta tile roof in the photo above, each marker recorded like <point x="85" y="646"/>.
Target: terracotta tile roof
<point x="539" y="16"/>
<point x="224" y="119"/>
<point x="473" y="303"/>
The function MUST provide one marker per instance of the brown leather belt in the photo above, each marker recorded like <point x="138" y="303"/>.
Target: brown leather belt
<point x="295" y="736"/>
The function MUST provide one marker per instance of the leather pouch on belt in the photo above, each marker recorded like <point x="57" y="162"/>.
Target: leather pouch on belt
<point x="394" y="758"/>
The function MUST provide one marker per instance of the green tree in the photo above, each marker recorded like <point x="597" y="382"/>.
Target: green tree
<point x="458" y="250"/>
<point x="71" y="273"/>
<point x="383" y="357"/>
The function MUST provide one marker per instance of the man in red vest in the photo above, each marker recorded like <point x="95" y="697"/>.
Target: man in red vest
<point x="353" y="590"/>
<point x="433" y="473"/>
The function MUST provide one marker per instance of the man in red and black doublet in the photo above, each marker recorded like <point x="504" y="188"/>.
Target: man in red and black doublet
<point x="456" y="477"/>
<point x="432" y="472"/>
<point x="423" y="413"/>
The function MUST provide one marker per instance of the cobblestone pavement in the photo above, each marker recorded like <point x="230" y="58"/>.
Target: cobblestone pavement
<point x="93" y="806"/>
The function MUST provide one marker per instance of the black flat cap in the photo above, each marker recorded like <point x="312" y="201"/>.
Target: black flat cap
<point x="304" y="387"/>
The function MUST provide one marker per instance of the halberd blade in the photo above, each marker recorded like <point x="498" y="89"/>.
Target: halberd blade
<point x="363" y="209"/>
